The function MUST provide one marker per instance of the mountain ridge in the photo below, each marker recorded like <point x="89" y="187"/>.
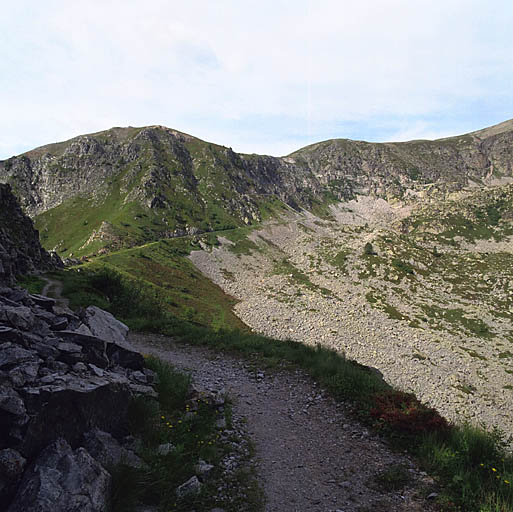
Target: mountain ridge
<point x="133" y="185"/>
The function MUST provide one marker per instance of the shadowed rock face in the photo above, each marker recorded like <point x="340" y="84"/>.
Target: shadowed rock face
<point x="20" y="250"/>
<point x="169" y="183"/>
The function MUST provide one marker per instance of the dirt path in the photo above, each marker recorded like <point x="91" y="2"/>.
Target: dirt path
<point x="53" y="288"/>
<point x="311" y="455"/>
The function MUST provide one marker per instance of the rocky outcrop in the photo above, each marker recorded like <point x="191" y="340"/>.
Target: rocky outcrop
<point x="62" y="375"/>
<point x="20" y="250"/>
<point x="63" y="479"/>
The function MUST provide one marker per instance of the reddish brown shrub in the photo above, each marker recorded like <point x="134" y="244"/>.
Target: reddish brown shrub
<point x="405" y="413"/>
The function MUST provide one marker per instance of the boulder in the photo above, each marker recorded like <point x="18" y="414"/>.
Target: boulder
<point x="108" y="451"/>
<point x="13" y="355"/>
<point x="12" y="465"/>
<point x="191" y="487"/>
<point x="17" y="316"/>
<point x="105" y="326"/>
<point x="44" y="302"/>
<point x="63" y="480"/>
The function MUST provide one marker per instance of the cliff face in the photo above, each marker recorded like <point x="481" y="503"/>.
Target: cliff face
<point x="130" y="185"/>
<point x="20" y="250"/>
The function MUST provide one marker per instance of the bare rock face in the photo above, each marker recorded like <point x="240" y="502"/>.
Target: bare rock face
<point x="63" y="480"/>
<point x="58" y="391"/>
<point x="20" y="250"/>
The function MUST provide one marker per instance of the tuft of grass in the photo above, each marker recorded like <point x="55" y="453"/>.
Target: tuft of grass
<point x="394" y="478"/>
<point x="474" y="466"/>
<point x="32" y="283"/>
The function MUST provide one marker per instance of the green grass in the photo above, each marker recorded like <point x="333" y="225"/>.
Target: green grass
<point x="188" y="422"/>
<point x="297" y="276"/>
<point x="160" y="277"/>
<point x="32" y="283"/>
<point x="454" y="453"/>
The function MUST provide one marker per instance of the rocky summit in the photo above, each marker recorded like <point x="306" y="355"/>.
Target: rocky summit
<point x="127" y="186"/>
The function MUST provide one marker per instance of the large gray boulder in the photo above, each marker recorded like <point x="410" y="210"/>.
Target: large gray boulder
<point x="105" y="326"/>
<point x="59" y="388"/>
<point x="63" y="480"/>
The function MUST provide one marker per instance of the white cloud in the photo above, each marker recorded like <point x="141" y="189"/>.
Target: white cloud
<point x="74" y="67"/>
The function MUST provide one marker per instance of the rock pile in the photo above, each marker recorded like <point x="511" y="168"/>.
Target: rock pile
<point x="66" y="380"/>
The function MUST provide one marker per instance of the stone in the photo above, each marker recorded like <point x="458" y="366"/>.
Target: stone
<point x="203" y="470"/>
<point x="72" y="405"/>
<point x="69" y="353"/>
<point x="83" y="329"/>
<point x="79" y="367"/>
<point x="11" y="402"/>
<point x="44" y="302"/>
<point x="191" y="487"/>
<point x="14" y="355"/>
<point x="12" y="463"/>
<point x="104" y="325"/>
<point x="63" y="480"/>
<point x="94" y="348"/>
<point x="139" y="376"/>
<point x="165" y="448"/>
<point x="108" y="451"/>
<point x="59" y="324"/>
<point x="45" y="351"/>
<point x="10" y="334"/>
<point x="23" y="374"/>
<point x="20" y="317"/>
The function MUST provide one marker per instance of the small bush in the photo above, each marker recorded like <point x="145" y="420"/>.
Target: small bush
<point x="404" y="413"/>
<point x="368" y="250"/>
<point x="173" y="385"/>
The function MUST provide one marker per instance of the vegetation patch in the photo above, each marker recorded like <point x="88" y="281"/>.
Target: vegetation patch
<point x="177" y="431"/>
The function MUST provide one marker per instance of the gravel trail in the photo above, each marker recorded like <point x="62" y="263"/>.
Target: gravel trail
<point x="311" y="455"/>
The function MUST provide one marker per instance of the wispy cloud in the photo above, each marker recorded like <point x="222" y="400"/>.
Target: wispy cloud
<point x="260" y="76"/>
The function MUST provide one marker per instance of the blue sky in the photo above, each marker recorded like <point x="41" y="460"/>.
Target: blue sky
<point x="259" y="76"/>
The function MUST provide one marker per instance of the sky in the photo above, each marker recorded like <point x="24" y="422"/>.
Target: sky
<point x="266" y="76"/>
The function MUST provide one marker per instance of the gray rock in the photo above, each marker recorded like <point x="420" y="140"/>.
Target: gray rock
<point x="139" y="377"/>
<point x="108" y="451"/>
<point x="59" y="324"/>
<point x="45" y="351"/>
<point x="63" y="481"/>
<point x="44" y="302"/>
<point x="203" y="470"/>
<point x="165" y="449"/>
<point x="20" y="317"/>
<point x="9" y="334"/>
<point x="79" y="367"/>
<point x="83" y="329"/>
<point x="94" y="348"/>
<point x="14" y="355"/>
<point x="192" y="486"/>
<point x="25" y="373"/>
<point x="105" y="326"/>
<point x="11" y="402"/>
<point x="12" y="463"/>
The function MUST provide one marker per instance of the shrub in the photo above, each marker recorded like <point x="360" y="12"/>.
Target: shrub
<point x="368" y="250"/>
<point x="403" y="412"/>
